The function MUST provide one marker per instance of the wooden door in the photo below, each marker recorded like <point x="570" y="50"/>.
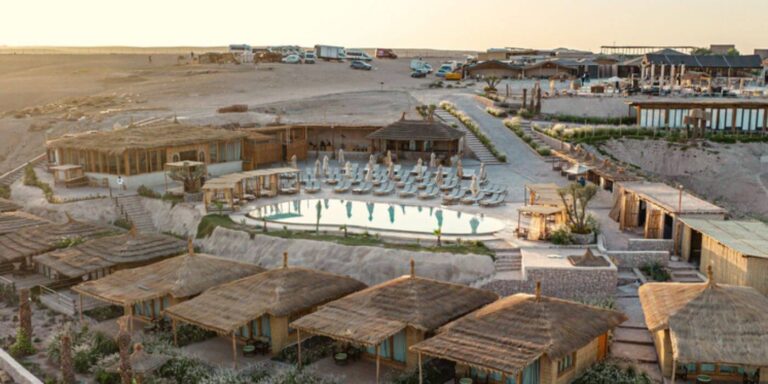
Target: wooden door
<point x="602" y="346"/>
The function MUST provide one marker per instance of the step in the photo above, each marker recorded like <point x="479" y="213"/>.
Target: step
<point x="632" y="336"/>
<point x="634" y="352"/>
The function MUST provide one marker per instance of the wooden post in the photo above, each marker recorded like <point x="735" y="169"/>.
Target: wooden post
<point x="80" y="296"/>
<point x="519" y="377"/>
<point x="234" y="350"/>
<point x="298" y="345"/>
<point x="674" y="368"/>
<point x="175" y="335"/>
<point x="733" y="120"/>
<point x="421" y="378"/>
<point x="378" y="364"/>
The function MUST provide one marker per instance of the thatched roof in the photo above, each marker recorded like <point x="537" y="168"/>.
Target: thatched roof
<point x="750" y="238"/>
<point x="513" y="332"/>
<point x="35" y="240"/>
<point x="278" y="292"/>
<point x="14" y="221"/>
<point x="126" y="249"/>
<point x="371" y="315"/>
<point x="588" y="259"/>
<point x="8" y="205"/>
<point x="180" y="277"/>
<point x="145" y="137"/>
<point x="668" y="198"/>
<point x="417" y="130"/>
<point x="709" y="322"/>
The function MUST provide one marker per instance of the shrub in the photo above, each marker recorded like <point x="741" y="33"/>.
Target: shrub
<point x="23" y="345"/>
<point x="597" y="120"/>
<point x="611" y="372"/>
<point x="513" y="122"/>
<point x="496" y="112"/>
<point x="145" y="191"/>
<point x="68" y="242"/>
<point x="655" y="271"/>
<point x="545" y="152"/>
<point x="561" y="236"/>
<point x="472" y="126"/>
<point x="30" y="179"/>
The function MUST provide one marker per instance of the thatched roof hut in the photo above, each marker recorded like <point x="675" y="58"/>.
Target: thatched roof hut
<point x="14" y="221"/>
<point x="512" y="333"/>
<point x="709" y="322"/>
<point x="405" y="130"/>
<point x="126" y="250"/>
<point x="145" y="137"/>
<point x="279" y="293"/>
<point x="179" y="277"/>
<point x="31" y="241"/>
<point x="8" y="205"/>
<point x="376" y="313"/>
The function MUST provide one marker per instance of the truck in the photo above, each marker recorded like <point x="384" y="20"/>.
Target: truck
<point x="385" y="53"/>
<point x="330" y="52"/>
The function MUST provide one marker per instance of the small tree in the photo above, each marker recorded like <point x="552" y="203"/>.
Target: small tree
<point x="733" y="52"/>
<point x="67" y="366"/>
<point x="124" y="347"/>
<point x="188" y="175"/>
<point x="576" y="198"/>
<point x="492" y="82"/>
<point x="344" y="228"/>
<point x="219" y="206"/>
<point x="431" y="111"/>
<point x="439" y="234"/>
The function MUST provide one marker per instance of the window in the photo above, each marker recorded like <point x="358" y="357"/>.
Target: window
<point x="728" y="369"/>
<point x="566" y="363"/>
<point x="707" y="368"/>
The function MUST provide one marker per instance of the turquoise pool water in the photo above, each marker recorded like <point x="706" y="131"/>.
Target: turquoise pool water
<point x="333" y="213"/>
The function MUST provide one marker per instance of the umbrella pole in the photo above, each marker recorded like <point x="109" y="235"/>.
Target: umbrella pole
<point x="674" y="366"/>
<point x="421" y="379"/>
<point x="378" y="364"/>
<point x="234" y="350"/>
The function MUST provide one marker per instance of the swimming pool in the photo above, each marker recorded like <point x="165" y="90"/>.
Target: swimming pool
<point x="334" y="213"/>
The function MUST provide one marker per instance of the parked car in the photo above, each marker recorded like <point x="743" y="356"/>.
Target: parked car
<point x="357" y="64"/>
<point x="310" y="58"/>
<point x="453" y="76"/>
<point x="419" y="73"/>
<point x="292" y="59"/>
<point x="385" y="53"/>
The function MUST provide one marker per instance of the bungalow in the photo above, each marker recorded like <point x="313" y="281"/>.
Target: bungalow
<point x="738" y="250"/>
<point x="495" y="68"/>
<point x="257" y="309"/>
<point x="548" y="69"/>
<point x="524" y="339"/>
<point x="412" y="139"/>
<point x="715" y="65"/>
<point x="709" y="331"/>
<point x="388" y="318"/>
<point x="146" y="291"/>
<point x="139" y="154"/>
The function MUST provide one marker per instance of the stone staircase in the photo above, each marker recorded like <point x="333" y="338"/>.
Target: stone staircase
<point x="17" y="173"/>
<point x="683" y="272"/>
<point x="508" y="261"/>
<point x="525" y="125"/>
<point x="474" y="144"/>
<point x="131" y="207"/>
<point x="631" y="339"/>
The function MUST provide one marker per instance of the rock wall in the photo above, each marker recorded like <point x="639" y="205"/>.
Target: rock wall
<point x="33" y="201"/>
<point x="636" y="259"/>
<point x="650" y="244"/>
<point x="181" y="219"/>
<point x="571" y="284"/>
<point x="370" y="265"/>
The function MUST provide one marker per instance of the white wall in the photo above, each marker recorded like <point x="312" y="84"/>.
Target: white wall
<point x="156" y="179"/>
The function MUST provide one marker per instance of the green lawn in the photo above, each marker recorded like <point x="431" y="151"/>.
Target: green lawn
<point x="210" y="222"/>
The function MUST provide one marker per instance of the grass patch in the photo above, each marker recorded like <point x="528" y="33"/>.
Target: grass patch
<point x="210" y="222"/>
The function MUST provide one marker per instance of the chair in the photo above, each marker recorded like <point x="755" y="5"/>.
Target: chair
<point x="469" y="200"/>
<point x="363" y="188"/>
<point x="385" y="189"/>
<point x="429" y="193"/>
<point x="408" y="191"/>
<point x="343" y="186"/>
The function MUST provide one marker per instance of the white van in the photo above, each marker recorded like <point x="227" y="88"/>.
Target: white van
<point x="356" y="54"/>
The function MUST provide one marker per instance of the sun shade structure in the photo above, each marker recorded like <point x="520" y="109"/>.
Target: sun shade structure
<point x="179" y="277"/>
<point x="417" y="138"/>
<point x="264" y="303"/>
<point x="707" y="324"/>
<point x="393" y="314"/>
<point x="235" y="188"/>
<point x="102" y="256"/>
<point x="31" y="241"/>
<point x="8" y="205"/>
<point x="519" y="331"/>
<point x="14" y="221"/>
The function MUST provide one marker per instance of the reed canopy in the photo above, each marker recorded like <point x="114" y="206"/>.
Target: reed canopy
<point x="125" y="250"/>
<point x="31" y="241"/>
<point x="709" y="322"/>
<point x="178" y="277"/>
<point x="374" y="314"/>
<point x="513" y="332"/>
<point x="279" y="292"/>
<point x="14" y="221"/>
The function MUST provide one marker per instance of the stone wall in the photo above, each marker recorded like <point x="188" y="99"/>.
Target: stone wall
<point x="572" y="284"/>
<point x="650" y="244"/>
<point x="370" y="265"/>
<point x="636" y="259"/>
<point x="181" y="219"/>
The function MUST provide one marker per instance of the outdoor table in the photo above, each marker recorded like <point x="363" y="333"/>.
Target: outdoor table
<point x="465" y="380"/>
<point x="249" y="350"/>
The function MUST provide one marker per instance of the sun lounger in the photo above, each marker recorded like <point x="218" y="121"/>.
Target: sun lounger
<point x="363" y="188"/>
<point x="385" y="189"/>
<point x="424" y="184"/>
<point x="313" y="186"/>
<point x="430" y="193"/>
<point x="408" y="180"/>
<point x="343" y="186"/>
<point x="454" y="196"/>
<point x="424" y="176"/>
<point x="449" y="184"/>
<point x="408" y="191"/>
<point x="494" y="200"/>
<point x="469" y="200"/>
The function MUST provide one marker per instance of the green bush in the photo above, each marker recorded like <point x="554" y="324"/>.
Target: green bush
<point x="655" y="271"/>
<point x="596" y="120"/>
<point x="611" y="372"/>
<point x="473" y="127"/>
<point x="545" y="152"/>
<point x="561" y="236"/>
<point x="497" y="112"/>
<point x="68" y="242"/>
<point x="145" y="191"/>
<point x="23" y="345"/>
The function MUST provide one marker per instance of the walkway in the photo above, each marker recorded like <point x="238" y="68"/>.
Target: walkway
<point x="631" y="340"/>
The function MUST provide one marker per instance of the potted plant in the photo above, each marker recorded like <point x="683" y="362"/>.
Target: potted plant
<point x="576" y="198"/>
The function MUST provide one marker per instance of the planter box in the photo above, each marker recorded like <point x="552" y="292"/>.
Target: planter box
<point x="588" y="238"/>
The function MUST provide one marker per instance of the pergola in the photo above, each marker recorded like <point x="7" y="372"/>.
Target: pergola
<point x="541" y="215"/>
<point x="249" y="185"/>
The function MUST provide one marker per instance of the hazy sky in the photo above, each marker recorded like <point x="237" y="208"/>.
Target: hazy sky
<point x="454" y="24"/>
